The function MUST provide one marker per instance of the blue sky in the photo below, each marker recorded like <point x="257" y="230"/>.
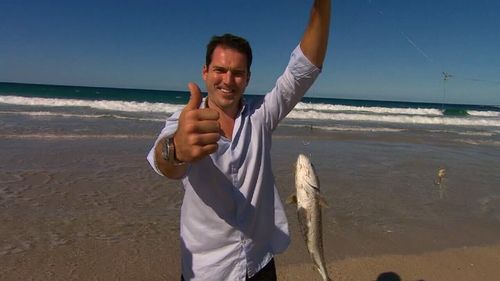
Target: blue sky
<point x="388" y="50"/>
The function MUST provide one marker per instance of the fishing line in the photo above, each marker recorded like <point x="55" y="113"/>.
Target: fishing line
<point x="420" y="50"/>
<point x="416" y="47"/>
<point x="425" y="55"/>
<point x="445" y="75"/>
<point x="405" y="36"/>
<point x="477" y="80"/>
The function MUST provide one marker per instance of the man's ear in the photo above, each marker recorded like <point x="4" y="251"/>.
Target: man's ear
<point x="204" y="72"/>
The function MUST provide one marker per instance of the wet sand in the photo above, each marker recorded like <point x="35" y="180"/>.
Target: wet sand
<point x="86" y="206"/>
<point x="467" y="263"/>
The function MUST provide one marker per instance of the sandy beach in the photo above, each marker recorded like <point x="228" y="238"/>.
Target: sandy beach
<point x="84" y="204"/>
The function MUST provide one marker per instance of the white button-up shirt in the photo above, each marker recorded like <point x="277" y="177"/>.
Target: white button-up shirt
<point x="232" y="219"/>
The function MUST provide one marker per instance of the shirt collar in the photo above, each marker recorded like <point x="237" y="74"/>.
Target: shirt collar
<point x="204" y="104"/>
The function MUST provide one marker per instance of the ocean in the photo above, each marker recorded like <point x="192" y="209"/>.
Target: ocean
<point x="79" y="200"/>
<point x="328" y="114"/>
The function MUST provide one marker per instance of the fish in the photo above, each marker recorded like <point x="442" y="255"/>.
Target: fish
<point x="309" y="202"/>
<point x="441" y="175"/>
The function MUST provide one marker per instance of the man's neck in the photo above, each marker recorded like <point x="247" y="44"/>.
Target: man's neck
<point x="227" y="116"/>
<point x="230" y="112"/>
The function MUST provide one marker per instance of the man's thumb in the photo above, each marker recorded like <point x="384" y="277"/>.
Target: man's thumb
<point x="195" y="99"/>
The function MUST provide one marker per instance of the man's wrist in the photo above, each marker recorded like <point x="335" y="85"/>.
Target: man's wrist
<point x="169" y="152"/>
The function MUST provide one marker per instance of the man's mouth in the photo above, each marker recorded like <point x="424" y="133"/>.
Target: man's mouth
<point x="226" y="91"/>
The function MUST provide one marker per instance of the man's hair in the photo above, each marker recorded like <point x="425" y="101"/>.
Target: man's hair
<point x="232" y="42"/>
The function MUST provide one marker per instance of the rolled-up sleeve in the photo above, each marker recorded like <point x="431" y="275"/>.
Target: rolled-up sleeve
<point x="290" y="87"/>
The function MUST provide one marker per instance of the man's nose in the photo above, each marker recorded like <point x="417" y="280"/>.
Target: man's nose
<point x="228" y="77"/>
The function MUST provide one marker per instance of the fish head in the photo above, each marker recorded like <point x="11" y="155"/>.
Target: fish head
<point x="305" y="174"/>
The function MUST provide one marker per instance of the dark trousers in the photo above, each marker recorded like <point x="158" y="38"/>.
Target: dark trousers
<point x="268" y="273"/>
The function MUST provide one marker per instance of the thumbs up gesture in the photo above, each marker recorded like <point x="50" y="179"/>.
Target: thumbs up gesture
<point x="198" y="130"/>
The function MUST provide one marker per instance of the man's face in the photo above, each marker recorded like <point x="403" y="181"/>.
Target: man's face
<point x="226" y="78"/>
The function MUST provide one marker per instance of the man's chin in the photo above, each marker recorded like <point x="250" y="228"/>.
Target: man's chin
<point x="229" y="97"/>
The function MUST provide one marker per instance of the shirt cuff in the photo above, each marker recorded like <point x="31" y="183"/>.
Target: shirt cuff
<point x="300" y="66"/>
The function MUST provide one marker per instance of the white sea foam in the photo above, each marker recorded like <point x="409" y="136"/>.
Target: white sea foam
<point x="304" y="111"/>
<point x="481" y="134"/>
<point x="484" y="113"/>
<point x="74" y="115"/>
<point x="406" y="119"/>
<point x="349" y="128"/>
<point x="74" y="136"/>
<point x="377" y="110"/>
<point x="479" y="142"/>
<point x="127" y="106"/>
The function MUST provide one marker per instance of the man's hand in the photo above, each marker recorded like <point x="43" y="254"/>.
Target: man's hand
<point x="198" y="130"/>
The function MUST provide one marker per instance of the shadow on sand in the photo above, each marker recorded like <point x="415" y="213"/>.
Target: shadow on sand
<point x="390" y="276"/>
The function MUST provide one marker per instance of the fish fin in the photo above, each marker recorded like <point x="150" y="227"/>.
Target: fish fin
<point x="292" y="199"/>
<point x="322" y="202"/>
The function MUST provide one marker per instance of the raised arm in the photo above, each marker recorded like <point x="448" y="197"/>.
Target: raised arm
<point x="315" y="40"/>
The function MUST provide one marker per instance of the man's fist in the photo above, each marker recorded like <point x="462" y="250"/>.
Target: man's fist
<point x="198" y="130"/>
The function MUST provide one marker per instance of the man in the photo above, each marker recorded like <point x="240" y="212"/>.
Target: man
<point x="232" y="219"/>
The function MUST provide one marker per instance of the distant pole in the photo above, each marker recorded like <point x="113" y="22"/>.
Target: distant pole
<point x="446" y="76"/>
<point x="444" y="91"/>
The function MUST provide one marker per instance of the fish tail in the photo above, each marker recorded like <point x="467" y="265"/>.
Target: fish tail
<point x="323" y="272"/>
